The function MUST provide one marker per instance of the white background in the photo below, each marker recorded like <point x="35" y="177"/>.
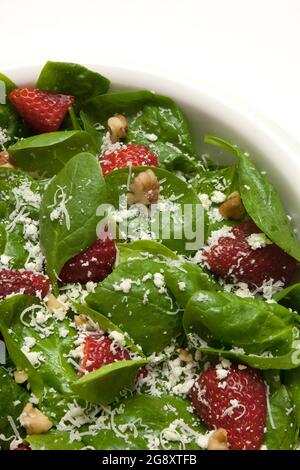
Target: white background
<point x="250" y="48"/>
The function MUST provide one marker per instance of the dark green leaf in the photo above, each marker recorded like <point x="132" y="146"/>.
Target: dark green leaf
<point x="146" y="312"/>
<point x="72" y="79"/>
<point x="53" y="440"/>
<point x="281" y="426"/>
<point x="13" y="398"/>
<point x="80" y="186"/>
<point x="262" y="335"/>
<point x="291" y="379"/>
<point x="46" y="154"/>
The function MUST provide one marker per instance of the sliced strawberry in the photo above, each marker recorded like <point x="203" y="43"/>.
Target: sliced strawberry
<point x="232" y="257"/>
<point x="42" y="111"/>
<point x="100" y="351"/>
<point x="128" y="155"/>
<point x="94" y="264"/>
<point x="23" y="447"/>
<point x="23" y="282"/>
<point x="233" y="398"/>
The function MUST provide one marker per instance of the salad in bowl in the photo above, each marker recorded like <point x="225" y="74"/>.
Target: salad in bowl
<point x="149" y="297"/>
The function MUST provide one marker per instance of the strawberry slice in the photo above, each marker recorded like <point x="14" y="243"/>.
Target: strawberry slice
<point x="233" y="257"/>
<point x="23" y="282"/>
<point x="100" y="351"/>
<point x="23" y="447"/>
<point x="42" y="111"/>
<point x="128" y="155"/>
<point x="94" y="264"/>
<point x="233" y="397"/>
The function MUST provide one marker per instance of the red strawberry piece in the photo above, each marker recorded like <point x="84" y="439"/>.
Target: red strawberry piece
<point x="23" y="447"/>
<point x="42" y="111"/>
<point x="233" y="398"/>
<point x="94" y="264"/>
<point x="23" y="282"/>
<point x="233" y="258"/>
<point x="128" y="155"/>
<point x="99" y="351"/>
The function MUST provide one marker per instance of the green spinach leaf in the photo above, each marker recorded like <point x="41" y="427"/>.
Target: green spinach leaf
<point x="260" y="334"/>
<point x="72" y="79"/>
<point x="262" y="201"/>
<point x="154" y="121"/>
<point x="170" y="218"/>
<point x="46" y="154"/>
<point x="281" y="425"/>
<point x="13" y="398"/>
<point x="75" y="193"/>
<point x="53" y="368"/>
<point x="289" y="297"/>
<point x="291" y="379"/>
<point x="135" y="298"/>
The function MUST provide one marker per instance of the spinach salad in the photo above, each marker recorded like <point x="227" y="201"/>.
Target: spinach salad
<point x="148" y="295"/>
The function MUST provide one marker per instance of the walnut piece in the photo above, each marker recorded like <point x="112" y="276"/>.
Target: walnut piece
<point x="144" y="189"/>
<point x="34" y="421"/>
<point x="54" y="305"/>
<point x="218" y="440"/>
<point x="185" y="356"/>
<point x="232" y="208"/>
<point x="81" y="321"/>
<point x="117" y="126"/>
<point x="20" y="376"/>
<point x="5" y="160"/>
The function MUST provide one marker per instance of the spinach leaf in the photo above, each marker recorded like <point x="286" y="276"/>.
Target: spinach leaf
<point x="289" y="297"/>
<point x="145" y="420"/>
<point x="106" y="384"/>
<point x="53" y="440"/>
<point x="12" y="245"/>
<point x="13" y="398"/>
<point x="144" y="248"/>
<point x="260" y="334"/>
<point x="169" y="218"/>
<point x="132" y="300"/>
<point x="46" y="154"/>
<point x="75" y="192"/>
<point x="154" y="121"/>
<point x="72" y="79"/>
<point x="11" y="125"/>
<point x="193" y="278"/>
<point x="221" y="179"/>
<point x="291" y="379"/>
<point x="15" y="325"/>
<point x="281" y="426"/>
<point x="262" y="201"/>
<point x="273" y="379"/>
<point x="91" y="130"/>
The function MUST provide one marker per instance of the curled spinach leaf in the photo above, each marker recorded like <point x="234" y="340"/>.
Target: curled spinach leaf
<point x="262" y="201"/>
<point x="78" y="190"/>
<point x="281" y="424"/>
<point x="289" y="297"/>
<point x="46" y="154"/>
<point x="72" y="79"/>
<point x="147" y="312"/>
<point x="260" y="334"/>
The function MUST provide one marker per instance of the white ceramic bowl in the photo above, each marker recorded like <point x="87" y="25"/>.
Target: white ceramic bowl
<point x="215" y="113"/>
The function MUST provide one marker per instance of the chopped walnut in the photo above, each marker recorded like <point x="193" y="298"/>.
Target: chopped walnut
<point x="20" y="376"/>
<point x="218" y="440"/>
<point x="34" y="421"/>
<point x="54" y="305"/>
<point x="5" y="160"/>
<point x="144" y="189"/>
<point x="81" y="321"/>
<point x="117" y="126"/>
<point x="185" y="356"/>
<point x="232" y="208"/>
